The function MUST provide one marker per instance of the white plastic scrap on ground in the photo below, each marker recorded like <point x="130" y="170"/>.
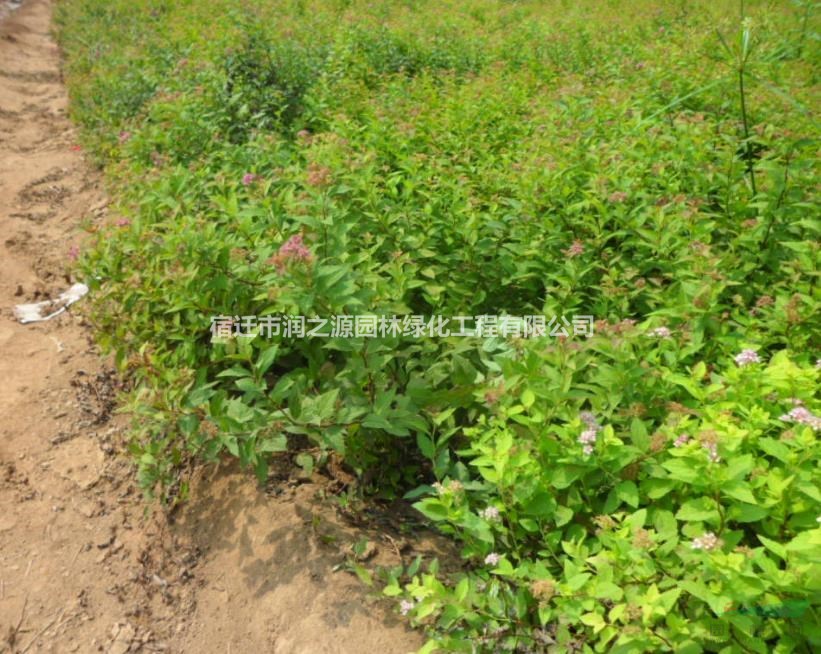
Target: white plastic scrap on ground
<point x="9" y="6"/>
<point x="26" y="313"/>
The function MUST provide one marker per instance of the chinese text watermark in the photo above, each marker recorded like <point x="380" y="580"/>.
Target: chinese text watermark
<point x="412" y="326"/>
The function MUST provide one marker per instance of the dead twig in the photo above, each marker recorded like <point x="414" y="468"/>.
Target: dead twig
<point x="42" y="631"/>
<point x="11" y="638"/>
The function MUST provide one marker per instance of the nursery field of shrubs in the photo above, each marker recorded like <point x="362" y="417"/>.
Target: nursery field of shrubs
<point x="642" y="480"/>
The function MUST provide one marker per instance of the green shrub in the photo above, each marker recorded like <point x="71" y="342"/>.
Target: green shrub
<point x="641" y="542"/>
<point x="378" y="159"/>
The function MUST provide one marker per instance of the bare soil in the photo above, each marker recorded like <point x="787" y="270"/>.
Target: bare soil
<point x="85" y="564"/>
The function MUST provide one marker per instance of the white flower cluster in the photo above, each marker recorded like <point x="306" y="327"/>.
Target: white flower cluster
<point x="492" y="559"/>
<point x="712" y="452"/>
<point x="491" y="513"/>
<point x="708" y="541"/>
<point x="660" y="332"/>
<point x="746" y="357"/>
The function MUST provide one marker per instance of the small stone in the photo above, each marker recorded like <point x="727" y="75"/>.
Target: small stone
<point x="122" y="636"/>
<point x="87" y="509"/>
<point x="104" y="540"/>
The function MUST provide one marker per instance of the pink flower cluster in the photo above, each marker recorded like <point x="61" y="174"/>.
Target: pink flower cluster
<point x="248" y="179"/>
<point x="295" y="248"/>
<point x="681" y="441"/>
<point x="746" y="357"/>
<point x="802" y="416"/>
<point x="708" y="541"/>
<point x="406" y="606"/>
<point x="589" y="419"/>
<point x="576" y="248"/>
<point x="292" y="251"/>
<point x="588" y="437"/>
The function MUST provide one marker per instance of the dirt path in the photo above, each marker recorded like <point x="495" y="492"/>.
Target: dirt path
<point x="83" y="566"/>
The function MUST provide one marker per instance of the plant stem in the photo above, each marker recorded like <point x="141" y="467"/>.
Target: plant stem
<point x="750" y="170"/>
<point x="807" y="4"/>
<point x="780" y="199"/>
<point x="742" y="61"/>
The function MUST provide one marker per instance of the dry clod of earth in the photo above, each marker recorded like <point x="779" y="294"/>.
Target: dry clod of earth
<point x="84" y="566"/>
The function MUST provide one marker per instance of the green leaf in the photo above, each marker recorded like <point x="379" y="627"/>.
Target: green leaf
<point x="669" y="598"/>
<point x="665" y="523"/>
<point x="306" y="462"/>
<point x="528" y="524"/>
<point x="375" y="421"/>
<point x="739" y="466"/>
<point x="594" y="620"/>
<point x="776" y="449"/>
<point x="576" y="582"/>
<point x="201" y="395"/>
<point x="716" y="603"/>
<point x="628" y="493"/>
<point x="462" y="589"/>
<point x="363" y="573"/>
<point x="541" y="505"/>
<point x="740" y="512"/>
<point x="807" y="541"/>
<point x="739" y="490"/>
<point x="266" y="359"/>
<point x="425" y="445"/>
<point x="657" y="488"/>
<point x="248" y="385"/>
<point x="637" y="519"/>
<point x="809" y="489"/>
<point x="638" y="434"/>
<point x="562" y="476"/>
<point x="608" y="590"/>
<point x="682" y="470"/>
<point x="563" y="515"/>
<point x="276" y="443"/>
<point x="326" y="405"/>
<point x="505" y="568"/>
<point x="392" y="590"/>
<point x="698" y="510"/>
<point x="476" y="527"/>
<point x="432" y="508"/>
<point x="776" y="548"/>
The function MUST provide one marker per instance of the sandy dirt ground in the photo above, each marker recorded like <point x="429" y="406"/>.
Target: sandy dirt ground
<point x="85" y="564"/>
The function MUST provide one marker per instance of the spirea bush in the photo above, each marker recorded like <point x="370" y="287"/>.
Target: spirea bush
<point x="653" y="487"/>
<point x="607" y="530"/>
